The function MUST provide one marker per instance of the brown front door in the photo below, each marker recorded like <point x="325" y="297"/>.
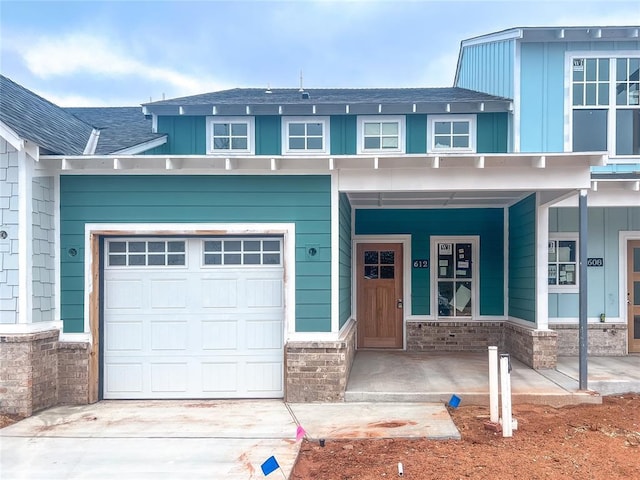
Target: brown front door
<point x="379" y="287"/>
<point x="633" y="294"/>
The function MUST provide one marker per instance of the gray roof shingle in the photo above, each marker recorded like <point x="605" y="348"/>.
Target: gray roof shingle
<point x="35" y="119"/>
<point x="288" y="96"/>
<point x="120" y="127"/>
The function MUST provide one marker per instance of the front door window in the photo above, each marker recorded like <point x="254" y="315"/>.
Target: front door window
<point x="454" y="279"/>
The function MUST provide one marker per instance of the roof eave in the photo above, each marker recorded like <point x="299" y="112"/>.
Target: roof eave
<point x="142" y="147"/>
<point x="359" y="108"/>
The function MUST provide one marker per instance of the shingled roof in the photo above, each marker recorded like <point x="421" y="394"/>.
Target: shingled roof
<point x="38" y="120"/>
<point x="120" y="127"/>
<point x="288" y="96"/>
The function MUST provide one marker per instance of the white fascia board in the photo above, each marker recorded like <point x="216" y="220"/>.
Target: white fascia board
<point x="142" y="147"/>
<point x="11" y="136"/>
<point x="494" y="37"/>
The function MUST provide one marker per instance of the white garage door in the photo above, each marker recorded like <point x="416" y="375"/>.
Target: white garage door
<point x="193" y="318"/>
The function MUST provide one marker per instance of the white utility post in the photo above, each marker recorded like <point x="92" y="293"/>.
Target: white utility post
<point x="493" y="384"/>
<point x="505" y="386"/>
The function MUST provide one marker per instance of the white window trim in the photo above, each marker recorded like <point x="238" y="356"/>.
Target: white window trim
<point x="400" y="119"/>
<point x="474" y="240"/>
<point x="611" y="108"/>
<point x="452" y="118"/>
<point x="561" y="236"/>
<point x="249" y="121"/>
<point x="326" y="136"/>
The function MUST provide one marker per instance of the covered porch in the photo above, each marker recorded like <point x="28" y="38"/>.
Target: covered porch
<point x="396" y="376"/>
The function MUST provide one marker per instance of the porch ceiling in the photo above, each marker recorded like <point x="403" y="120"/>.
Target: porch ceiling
<point x="425" y="199"/>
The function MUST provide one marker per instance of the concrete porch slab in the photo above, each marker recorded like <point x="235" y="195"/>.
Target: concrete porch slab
<point x="379" y="376"/>
<point x="375" y="420"/>
<point x="605" y="375"/>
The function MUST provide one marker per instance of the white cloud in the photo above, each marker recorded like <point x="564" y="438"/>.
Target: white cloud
<point x="81" y="53"/>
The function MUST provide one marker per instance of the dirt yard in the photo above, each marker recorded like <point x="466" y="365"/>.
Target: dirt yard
<point x="586" y="441"/>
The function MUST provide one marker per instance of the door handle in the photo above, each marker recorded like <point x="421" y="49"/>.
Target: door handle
<point x="399" y="303"/>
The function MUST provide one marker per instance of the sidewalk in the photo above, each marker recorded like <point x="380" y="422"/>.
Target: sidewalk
<point x="196" y="439"/>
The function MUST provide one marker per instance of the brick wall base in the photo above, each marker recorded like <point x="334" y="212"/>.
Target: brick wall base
<point x="318" y="371"/>
<point x="73" y="373"/>
<point x="443" y="336"/>
<point x="37" y="372"/>
<point x="603" y="339"/>
<point x="536" y="348"/>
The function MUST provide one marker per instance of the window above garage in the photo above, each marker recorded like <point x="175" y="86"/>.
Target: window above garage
<point x="305" y="135"/>
<point x="230" y="135"/>
<point x="452" y="133"/>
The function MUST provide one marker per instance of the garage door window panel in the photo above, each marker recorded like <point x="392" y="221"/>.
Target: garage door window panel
<point x="146" y="253"/>
<point x="242" y="252"/>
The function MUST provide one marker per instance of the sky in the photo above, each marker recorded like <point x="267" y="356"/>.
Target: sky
<point x="124" y="53"/>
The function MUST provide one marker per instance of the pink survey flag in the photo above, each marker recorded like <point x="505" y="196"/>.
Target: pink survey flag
<point x="300" y="433"/>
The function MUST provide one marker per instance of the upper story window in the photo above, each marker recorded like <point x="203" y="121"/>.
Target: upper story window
<point x="452" y="133"/>
<point x="384" y="134"/>
<point x="230" y="135"/>
<point x="305" y="135"/>
<point x="563" y="263"/>
<point x="605" y="103"/>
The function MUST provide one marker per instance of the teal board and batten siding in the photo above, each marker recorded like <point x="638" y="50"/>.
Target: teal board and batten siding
<point x="522" y="259"/>
<point x="187" y="135"/>
<point x="603" y="289"/>
<point x="422" y="224"/>
<point x="542" y="90"/>
<point x="345" y="259"/>
<point x="488" y="68"/>
<point x="303" y="200"/>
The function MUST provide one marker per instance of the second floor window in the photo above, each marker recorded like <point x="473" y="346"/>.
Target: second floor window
<point x="452" y="133"/>
<point x="605" y="101"/>
<point x="381" y="134"/>
<point x="303" y="135"/>
<point x="230" y="135"/>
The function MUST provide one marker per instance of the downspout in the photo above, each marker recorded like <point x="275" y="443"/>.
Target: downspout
<point x="92" y="143"/>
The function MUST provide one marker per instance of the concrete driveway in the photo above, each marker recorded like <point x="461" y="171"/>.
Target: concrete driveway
<point x="195" y="439"/>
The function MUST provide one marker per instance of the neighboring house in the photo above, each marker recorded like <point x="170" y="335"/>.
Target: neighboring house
<point x="250" y="240"/>
<point x="577" y="90"/>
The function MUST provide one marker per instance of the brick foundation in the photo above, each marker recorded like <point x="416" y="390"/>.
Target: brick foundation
<point x="28" y="372"/>
<point x="318" y="371"/>
<point x="603" y="339"/>
<point x="454" y="336"/>
<point x="37" y="372"/>
<point x="536" y="348"/>
<point x="73" y="373"/>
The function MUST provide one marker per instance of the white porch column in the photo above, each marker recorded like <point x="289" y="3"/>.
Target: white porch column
<point x="25" y="242"/>
<point x="542" y="273"/>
